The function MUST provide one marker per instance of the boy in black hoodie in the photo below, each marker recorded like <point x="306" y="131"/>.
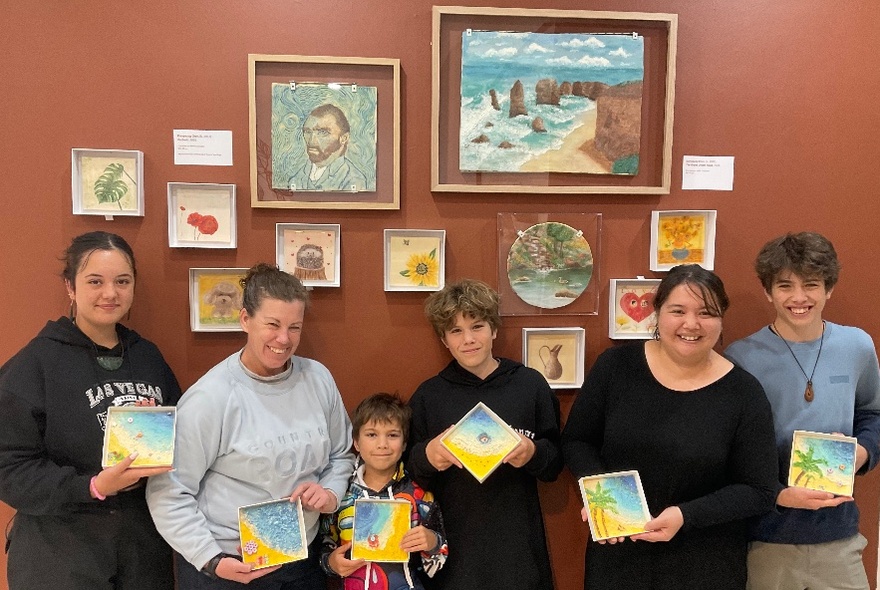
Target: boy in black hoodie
<point x="505" y="508"/>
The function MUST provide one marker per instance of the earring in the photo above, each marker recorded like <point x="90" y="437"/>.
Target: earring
<point x="656" y="333"/>
<point x="72" y="312"/>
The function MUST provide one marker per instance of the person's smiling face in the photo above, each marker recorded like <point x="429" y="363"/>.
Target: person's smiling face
<point x="688" y="328"/>
<point x="273" y="334"/>
<point x="103" y="291"/>
<point x="799" y="303"/>
<point x="470" y="342"/>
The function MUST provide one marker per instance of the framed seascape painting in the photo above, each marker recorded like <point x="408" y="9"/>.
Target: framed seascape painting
<point x="146" y="430"/>
<point x="201" y="215"/>
<point x="552" y="101"/>
<point x="823" y="462"/>
<point x="548" y="263"/>
<point x="215" y="299"/>
<point x="616" y="504"/>
<point x="378" y="529"/>
<point x="682" y="237"/>
<point x="480" y="440"/>
<point x="556" y="353"/>
<point x="415" y="259"/>
<point x="272" y="533"/>
<point x="310" y="252"/>
<point x="107" y="182"/>
<point x="324" y="132"/>
<point x="631" y="312"/>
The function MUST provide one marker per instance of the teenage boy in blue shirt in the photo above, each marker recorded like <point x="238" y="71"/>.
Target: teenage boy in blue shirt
<point x="818" y="376"/>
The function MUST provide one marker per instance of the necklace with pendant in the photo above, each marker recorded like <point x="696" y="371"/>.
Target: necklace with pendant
<point x="808" y="392"/>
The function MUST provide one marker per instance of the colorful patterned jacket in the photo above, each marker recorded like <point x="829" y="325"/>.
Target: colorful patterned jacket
<point x="336" y="529"/>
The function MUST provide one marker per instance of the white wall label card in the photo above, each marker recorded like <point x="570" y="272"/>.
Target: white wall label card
<point x="708" y="173"/>
<point x="199" y="147"/>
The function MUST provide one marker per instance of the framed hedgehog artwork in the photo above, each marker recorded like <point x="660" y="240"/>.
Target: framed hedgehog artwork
<point x="310" y="252"/>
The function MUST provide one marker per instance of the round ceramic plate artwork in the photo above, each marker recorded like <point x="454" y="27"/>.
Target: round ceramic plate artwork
<point x="549" y="265"/>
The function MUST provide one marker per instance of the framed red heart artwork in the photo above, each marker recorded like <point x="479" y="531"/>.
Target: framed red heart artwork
<point x="631" y="308"/>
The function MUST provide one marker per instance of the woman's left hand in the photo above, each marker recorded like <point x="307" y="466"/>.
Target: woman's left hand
<point x="314" y="497"/>
<point x="662" y="528"/>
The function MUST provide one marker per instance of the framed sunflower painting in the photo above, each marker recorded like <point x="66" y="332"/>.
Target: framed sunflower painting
<point x="415" y="259"/>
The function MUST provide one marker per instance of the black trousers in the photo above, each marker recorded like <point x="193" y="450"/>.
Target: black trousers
<point x="107" y="549"/>
<point x="305" y="574"/>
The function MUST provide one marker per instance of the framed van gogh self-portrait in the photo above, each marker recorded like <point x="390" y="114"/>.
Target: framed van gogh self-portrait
<point x="215" y="299"/>
<point x="107" y="182"/>
<point x="631" y="314"/>
<point x="324" y="132"/>
<point x="682" y="237"/>
<point x="201" y="215"/>
<point x="548" y="263"/>
<point x="310" y="252"/>
<point x="557" y="353"/>
<point x="552" y="101"/>
<point x="415" y="259"/>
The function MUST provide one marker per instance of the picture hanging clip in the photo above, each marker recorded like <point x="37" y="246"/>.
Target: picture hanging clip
<point x="635" y="35"/>
<point x="468" y="32"/>
<point x="520" y="233"/>
<point x="354" y="87"/>
<point x="292" y="86"/>
<point x="108" y="217"/>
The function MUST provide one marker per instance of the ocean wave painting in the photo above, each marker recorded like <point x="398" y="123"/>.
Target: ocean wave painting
<point x="378" y="529"/>
<point x="481" y="440"/>
<point x="147" y="430"/>
<point x="272" y="533"/>
<point x="530" y="102"/>
<point x="823" y="462"/>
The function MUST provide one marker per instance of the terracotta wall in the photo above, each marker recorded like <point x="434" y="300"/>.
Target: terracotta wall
<point x="788" y="88"/>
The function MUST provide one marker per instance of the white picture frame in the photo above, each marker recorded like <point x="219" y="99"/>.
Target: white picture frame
<point x="631" y="314"/>
<point x="310" y="252"/>
<point x="215" y="299"/>
<point x="107" y="182"/>
<point x="557" y="353"/>
<point x="201" y="215"/>
<point x="415" y="259"/>
<point x="682" y="237"/>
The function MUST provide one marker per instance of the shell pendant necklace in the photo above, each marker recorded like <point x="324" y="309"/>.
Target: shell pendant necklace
<point x="808" y="392"/>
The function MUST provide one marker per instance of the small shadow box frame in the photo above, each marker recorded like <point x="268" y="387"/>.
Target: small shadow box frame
<point x="310" y="252"/>
<point x="660" y="32"/>
<point x="215" y="299"/>
<point x="557" y="353"/>
<point x="201" y="215"/>
<point x="383" y="74"/>
<point x="682" y="237"/>
<point x="415" y="259"/>
<point x="631" y="314"/>
<point x="107" y="182"/>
